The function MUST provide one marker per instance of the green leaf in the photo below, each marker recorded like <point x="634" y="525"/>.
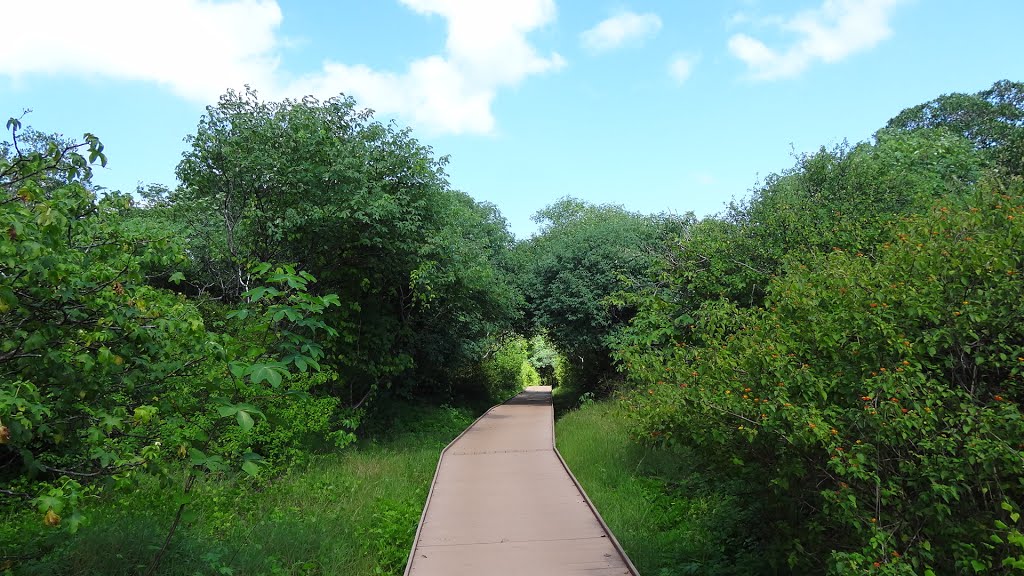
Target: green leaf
<point x="244" y="420"/>
<point x="7" y="299"/>
<point x="177" y="278"/>
<point x="74" y="522"/>
<point x="250" y="468"/>
<point x="238" y="369"/>
<point x="261" y="372"/>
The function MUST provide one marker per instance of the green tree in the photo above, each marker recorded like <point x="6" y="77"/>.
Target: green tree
<point x="583" y="257"/>
<point x="992" y="119"/>
<point x="365" y="208"/>
<point x="104" y="375"/>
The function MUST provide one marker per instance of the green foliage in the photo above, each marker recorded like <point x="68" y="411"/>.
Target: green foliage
<point x="879" y="389"/>
<point x="584" y="256"/>
<point x="545" y="360"/>
<point x="669" y="514"/>
<point x="841" y="198"/>
<point x="85" y="340"/>
<point x="345" y="513"/>
<point x="992" y="120"/>
<point x="106" y="377"/>
<point x="185" y="341"/>
<point x="389" y="536"/>
<point x="366" y="209"/>
<point x="507" y="369"/>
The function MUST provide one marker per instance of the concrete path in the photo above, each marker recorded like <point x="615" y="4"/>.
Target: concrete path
<point x="504" y="503"/>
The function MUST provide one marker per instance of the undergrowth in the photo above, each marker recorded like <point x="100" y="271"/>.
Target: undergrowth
<point x="691" y="524"/>
<point x="350" y="513"/>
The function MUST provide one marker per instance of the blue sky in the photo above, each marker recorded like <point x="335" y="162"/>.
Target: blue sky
<point x="655" y="105"/>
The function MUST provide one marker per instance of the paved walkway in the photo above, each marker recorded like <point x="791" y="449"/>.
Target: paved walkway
<point x="503" y="503"/>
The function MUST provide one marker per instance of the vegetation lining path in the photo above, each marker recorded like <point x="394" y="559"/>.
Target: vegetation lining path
<point x="504" y="502"/>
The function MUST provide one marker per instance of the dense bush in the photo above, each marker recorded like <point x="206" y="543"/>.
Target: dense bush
<point x="874" y="395"/>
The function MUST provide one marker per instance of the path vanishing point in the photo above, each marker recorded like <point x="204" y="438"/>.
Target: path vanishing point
<point x="503" y="502"/>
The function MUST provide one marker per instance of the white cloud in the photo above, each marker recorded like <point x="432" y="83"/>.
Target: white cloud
<point x="624" y="27"/>
<point x="830" y="33"/>
<point x="195" y="48"/>
<point x="680" y="67"/>
<point x="486" y="50"/>
<point x="199" y="49"/>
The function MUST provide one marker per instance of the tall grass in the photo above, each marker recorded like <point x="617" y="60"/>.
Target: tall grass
<point x="352" y="513"/>
<point x="693" y="525"/>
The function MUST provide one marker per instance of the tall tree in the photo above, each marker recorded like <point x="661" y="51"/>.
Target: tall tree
<point x="992" y="119"/>
<point x="363" y="206"/>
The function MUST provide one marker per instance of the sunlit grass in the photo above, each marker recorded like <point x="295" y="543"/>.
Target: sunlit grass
<point x="351" y="513"/>
<point x="688" y="526"/>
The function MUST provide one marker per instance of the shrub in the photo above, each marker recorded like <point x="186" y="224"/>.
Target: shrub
<point x="874" y="395"/>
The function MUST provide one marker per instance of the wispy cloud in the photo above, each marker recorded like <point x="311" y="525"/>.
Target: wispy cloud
<point x="620" y="29"/>
<point x="829" y="33"/>
<point x="681" y="67"/>
<point x="237" y="42"/>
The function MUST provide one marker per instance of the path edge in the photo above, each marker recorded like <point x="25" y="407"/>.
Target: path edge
<point x="437" y="469"/>
<point x="611" y="536"/>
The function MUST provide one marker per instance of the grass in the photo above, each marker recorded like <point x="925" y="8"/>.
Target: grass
<point x="669" y="516"/>
<point x="565" y="397"/>
<point x="350" y="513"/>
